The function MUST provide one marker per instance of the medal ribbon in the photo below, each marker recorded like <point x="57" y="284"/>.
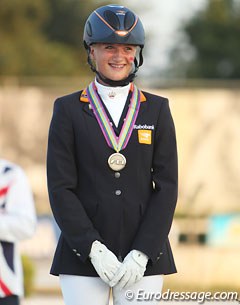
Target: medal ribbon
<point x="117" y="143"/>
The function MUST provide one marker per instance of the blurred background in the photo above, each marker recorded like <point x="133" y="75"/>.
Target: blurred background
<point x="192" y="57"/>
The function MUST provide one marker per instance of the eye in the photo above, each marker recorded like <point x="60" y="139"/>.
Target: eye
<point x="108" y="47"/>
<point x="129" y="48"/>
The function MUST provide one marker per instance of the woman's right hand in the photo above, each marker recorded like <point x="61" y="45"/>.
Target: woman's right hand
<point x="104" y="261"/>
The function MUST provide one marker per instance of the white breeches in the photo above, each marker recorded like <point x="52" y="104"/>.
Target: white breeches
<point x="84" y="290"/>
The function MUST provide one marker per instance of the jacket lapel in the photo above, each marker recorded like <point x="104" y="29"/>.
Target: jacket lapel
<point x="86" y="107"/>
<point x="88" y="110"/>
<point x="143" y="107"/>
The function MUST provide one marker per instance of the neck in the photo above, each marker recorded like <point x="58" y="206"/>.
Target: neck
<point x="114" y="83"/>
<point x="106" y="87"/>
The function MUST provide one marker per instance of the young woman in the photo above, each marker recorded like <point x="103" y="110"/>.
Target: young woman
<point x="112" y="172"/>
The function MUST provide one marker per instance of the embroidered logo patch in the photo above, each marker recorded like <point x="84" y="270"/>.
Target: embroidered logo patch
<point x="145" y="136"/>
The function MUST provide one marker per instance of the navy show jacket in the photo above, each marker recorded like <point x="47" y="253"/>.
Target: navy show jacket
<point x="131" y="209"/>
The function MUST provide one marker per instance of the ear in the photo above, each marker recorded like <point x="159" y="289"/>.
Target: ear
<point x="92" y="52"/>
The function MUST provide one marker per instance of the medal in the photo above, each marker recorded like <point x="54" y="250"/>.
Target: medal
<point x="117" y="161"/>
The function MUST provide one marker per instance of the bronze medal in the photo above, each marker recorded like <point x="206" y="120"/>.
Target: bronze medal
<point x="117" y="162"/>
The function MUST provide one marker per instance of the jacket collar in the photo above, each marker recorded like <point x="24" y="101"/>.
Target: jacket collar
<point x="83" y="97"/>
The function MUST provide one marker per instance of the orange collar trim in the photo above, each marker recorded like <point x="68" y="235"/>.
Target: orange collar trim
<point x="83" y="98"/>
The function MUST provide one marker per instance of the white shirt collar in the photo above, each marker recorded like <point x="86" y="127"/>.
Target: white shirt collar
<point x="108" y="93"/>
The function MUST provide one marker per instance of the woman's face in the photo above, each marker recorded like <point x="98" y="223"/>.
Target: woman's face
<point x="114" y="61"/>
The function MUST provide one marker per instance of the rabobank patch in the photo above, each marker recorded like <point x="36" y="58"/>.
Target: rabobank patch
<point x="145" y="136"/>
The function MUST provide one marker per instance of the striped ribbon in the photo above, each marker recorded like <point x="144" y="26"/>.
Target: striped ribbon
<point x="117" y="143"/>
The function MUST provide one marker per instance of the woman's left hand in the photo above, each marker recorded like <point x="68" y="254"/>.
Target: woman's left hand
<point x="131" y="270"/>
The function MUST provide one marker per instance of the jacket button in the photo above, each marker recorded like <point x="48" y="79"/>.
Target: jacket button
<point x="78" y="254"/>
<point x="118" y="192"/>
<point x="117" y="175"/>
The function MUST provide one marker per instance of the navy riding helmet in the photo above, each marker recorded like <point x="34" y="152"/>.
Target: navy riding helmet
<point x="117" y="25"/>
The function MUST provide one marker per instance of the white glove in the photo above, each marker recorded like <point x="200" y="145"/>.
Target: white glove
<point x="104" y="261"/>
<point x="131" y="270"/>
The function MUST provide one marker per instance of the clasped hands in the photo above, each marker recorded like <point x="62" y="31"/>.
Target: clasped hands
<point x="112" y="271"/>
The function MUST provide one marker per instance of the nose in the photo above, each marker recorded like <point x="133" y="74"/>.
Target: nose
<point x="118" y="53"/>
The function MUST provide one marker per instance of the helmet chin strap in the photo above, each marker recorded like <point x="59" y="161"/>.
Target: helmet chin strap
<point x="117" y="83"/>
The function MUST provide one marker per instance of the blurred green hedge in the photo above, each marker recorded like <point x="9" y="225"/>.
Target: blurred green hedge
<point x="29" y="272"/>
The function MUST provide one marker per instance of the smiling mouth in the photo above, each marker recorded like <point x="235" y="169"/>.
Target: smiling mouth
<point x="117" y="66"/>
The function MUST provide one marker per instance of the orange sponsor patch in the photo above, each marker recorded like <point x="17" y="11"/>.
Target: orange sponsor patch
<point x="145" y="136"/>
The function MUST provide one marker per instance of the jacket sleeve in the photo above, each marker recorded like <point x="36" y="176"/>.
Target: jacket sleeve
<point x="157" y="219"/>
<point x="18" y="221"/>
<point x="62" y="175"/>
